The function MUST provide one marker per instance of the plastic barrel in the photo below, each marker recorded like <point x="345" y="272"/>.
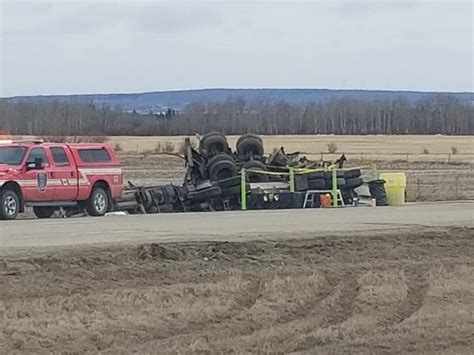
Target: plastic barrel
<point x="395" y="184"/>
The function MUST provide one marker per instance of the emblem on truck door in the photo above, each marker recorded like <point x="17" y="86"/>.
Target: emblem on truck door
<point x="41" y="181"/>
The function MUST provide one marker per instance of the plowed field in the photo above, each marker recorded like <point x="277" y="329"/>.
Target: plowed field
<point x="395" y="292"/>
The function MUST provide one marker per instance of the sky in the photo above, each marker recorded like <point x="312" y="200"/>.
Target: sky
<point x="74" y="47"/>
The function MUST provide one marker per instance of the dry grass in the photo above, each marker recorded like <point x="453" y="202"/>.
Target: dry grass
<point x="354" y="294"/>
<point x="368" y="147"/>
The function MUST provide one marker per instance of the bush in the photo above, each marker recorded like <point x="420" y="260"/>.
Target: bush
<point x="158" y="148"/>
<point x="118" y="147"/>
<point x="454" y="150"/>
<point x="166" y="147"/>
<point x="425" y="151"/>
<point x="332" y="148"/>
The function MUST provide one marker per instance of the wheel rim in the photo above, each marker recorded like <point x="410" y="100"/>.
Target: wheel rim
<point x="10" y="206"/>
<point x="100" y="203"/>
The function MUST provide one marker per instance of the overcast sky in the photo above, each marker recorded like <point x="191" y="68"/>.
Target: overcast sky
<point x="68" y="47"/>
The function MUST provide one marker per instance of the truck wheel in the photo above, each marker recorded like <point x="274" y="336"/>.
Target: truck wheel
<point x="43" y="212"/>
<point x="9" y="204"/>
<point x="98" y="202"/>
<point x="221" y="167"/>
<point x="249" y="146"/>
<point x="214" y="143"/>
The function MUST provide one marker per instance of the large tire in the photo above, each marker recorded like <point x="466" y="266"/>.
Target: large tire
<point x="221" y="167"/>
<point x="43" y="212"/>
<point x="341" y="183"/>
<point x="354" y="173"/>
<point x="316" y="175"/>
<point x="339" y="174"/>
<point x="354" y="182"/>
<point x="213" y="143"/>
<point x="254" y="176"/>
<point x="377" y="191"/>
<point x="249" y="146"/>
<point x="98" y="203"/>
<point x="9" y="204"/>
<point x="248" y="135"/>
<point x="317" y="184"/>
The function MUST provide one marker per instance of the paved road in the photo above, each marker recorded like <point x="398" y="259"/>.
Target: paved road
<point x="236" y="225"/>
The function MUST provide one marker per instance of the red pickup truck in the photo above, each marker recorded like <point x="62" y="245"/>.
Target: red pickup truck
<point x="47" y="176"/>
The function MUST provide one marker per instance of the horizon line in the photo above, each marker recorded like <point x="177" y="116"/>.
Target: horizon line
<point x="240" y="88"/>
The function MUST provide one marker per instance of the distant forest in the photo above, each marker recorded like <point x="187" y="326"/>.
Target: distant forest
<point x="441" y="114"/>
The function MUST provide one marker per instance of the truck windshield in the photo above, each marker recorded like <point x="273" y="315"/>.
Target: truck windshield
<point x="11" y="155"/>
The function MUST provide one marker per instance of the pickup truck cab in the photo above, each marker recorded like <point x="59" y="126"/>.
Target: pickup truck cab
<point x="47" y="176"/>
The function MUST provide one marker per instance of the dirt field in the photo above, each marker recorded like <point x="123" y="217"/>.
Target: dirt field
<point x="394" y="292"/>
<point x="384" y="148"/>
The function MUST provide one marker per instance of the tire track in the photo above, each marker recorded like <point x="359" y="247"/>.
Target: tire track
<point x="248" y="295"/>
<point x="343" y="306"/>
<point x="418" y="285"/>
<point x="310" y="307"/>
<point x="337" y="312"/>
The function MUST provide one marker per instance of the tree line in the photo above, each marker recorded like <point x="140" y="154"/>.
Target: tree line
<point x="433" y="115"/>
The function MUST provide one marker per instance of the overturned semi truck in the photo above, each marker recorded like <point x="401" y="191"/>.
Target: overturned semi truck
<point x="218" y="177"/>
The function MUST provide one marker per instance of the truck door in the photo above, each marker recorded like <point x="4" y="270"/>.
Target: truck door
<point x="36" y="181"/>
<point x="64" y="174"/>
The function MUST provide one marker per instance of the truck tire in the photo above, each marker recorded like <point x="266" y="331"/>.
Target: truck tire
<point x="248" y="135"/>
<point x="316" y="175"/>
<point x="9" y="204"/>
<point x="221" y="167"/>
<point x="317" y="184"/>
<point x="213" y="143"/>
<point x="339" y="174"/>
<point x="341" y="182"/>
<point x="354" y="182"/>
<point x="98" y="202"/>
<point x="249" y="146"/>
<point x="354" y="173"/>
<point x="43" y="212"/>
<point x="377" y="191"/>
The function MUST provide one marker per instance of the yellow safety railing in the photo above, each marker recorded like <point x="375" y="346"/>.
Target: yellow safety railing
<point x="291" y="180"/>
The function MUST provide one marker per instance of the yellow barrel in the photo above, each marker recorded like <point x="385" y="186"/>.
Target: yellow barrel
<point x="395" y="184"/>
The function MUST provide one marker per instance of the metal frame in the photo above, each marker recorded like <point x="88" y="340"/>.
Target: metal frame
<point x="313" y="192"/>
<point x="335" y="192"/>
